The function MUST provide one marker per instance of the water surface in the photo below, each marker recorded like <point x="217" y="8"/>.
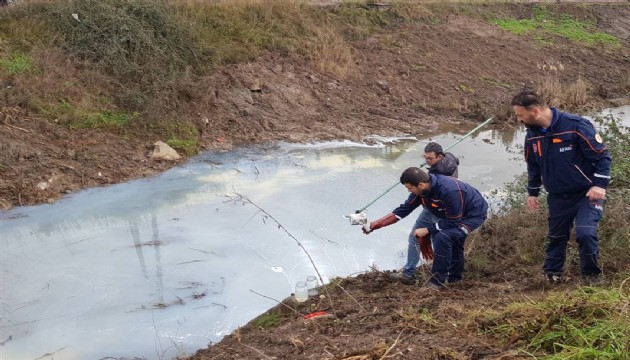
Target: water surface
<point x="158" y="267"/>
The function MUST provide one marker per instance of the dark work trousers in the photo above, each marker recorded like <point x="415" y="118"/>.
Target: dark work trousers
<point x="448" y="255"/>
<point x="563" y="210"/>
<point x="448" y="252"/>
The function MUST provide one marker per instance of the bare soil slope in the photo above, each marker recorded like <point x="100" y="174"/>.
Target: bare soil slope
<point x="370" y="317"/>
<point x="412" y="78"/>
<point x="409" y="79"/>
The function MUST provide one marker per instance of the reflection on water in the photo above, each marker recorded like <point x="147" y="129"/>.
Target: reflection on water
<point x="156" y="267"/>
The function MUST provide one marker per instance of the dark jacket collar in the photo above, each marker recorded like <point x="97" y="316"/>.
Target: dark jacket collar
<point x="555" y="116"/>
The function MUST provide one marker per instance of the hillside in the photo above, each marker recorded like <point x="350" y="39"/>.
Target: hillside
<point x="83" y="100"/>
<point x="88" y="86"/>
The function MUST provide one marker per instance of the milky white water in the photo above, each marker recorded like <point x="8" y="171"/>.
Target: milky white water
<point x="158" y="267"/>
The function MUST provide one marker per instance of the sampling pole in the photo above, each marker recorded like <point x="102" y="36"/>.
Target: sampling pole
<point x="421" y="165"/>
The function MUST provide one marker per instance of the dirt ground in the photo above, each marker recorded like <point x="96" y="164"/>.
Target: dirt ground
<point x="412" y="79"/>
<point x="459" y="71"/>
<point x="370" y="317"/>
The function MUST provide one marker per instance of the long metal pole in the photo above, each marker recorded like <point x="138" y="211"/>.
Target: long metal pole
<point x="423" y="164"/>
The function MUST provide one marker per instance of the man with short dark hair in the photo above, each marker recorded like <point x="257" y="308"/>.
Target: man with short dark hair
<point x="459" y="209"/>
<point x="440" y="163"/>
<point x="565" y="154"/>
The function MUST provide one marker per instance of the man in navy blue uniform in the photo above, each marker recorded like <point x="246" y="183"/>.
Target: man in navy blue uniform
<point x="440" y="163"/>
<point x="565" y="154"/>
<point x="459" y="208"/>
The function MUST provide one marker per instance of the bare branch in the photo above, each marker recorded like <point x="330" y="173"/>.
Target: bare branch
<point x="281" y="227"/>
<point x="258" y="351"/>
<point x="391" y="347"/>
<point x="279" y="302"/>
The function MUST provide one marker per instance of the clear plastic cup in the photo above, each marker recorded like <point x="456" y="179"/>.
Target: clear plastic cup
<point x="311" y="284"/>
<point x="301" y="291"/>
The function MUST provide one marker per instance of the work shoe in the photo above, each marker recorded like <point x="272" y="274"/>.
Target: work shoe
<point x="592" y="280"/>
<point x="433" y="286"/>
<point x="403" y="278"/>
<point x="554" y="279"/>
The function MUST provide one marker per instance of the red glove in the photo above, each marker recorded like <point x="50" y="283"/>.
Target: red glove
<point x="382" y="222"/>
<point x="425" y="247"/>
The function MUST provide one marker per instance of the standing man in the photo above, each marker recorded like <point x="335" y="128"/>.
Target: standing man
<point x="459" y="209"/>
<point x="565" y="154"/>
<point x="440" y="163"/>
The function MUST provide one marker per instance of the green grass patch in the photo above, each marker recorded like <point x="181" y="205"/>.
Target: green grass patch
<point x="74" y="117"/>
<point x="495" y="82"/>
<point x="268" y="320"/>
<point x="518" y="27"/>
<point x="588" y="323"/>
<point x="543" y="25"/>
<point x="188" y="147"/>
<point x="465" y="88"/>
<point x="141" y="44"/>
<point x="17" y="63"/>
<point x="104" y="119"/>
<point x="182" y="136"/>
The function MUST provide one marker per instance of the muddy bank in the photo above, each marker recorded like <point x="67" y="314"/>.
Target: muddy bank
<point x="410" y="78"/>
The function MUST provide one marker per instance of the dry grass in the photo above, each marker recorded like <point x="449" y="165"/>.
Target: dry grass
<point x="59" y="79"/>
<point x="506" y="242"/>
<point x="573" y="96"/>
<point x="237" y="31"/>
<point x="332" y="54"/>
<point x="615" y="235"/>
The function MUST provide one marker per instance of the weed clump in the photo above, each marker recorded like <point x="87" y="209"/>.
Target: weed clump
<point x="135" y="41"/>
<point x="17" y="63"/>
<point x="587" y="323"/>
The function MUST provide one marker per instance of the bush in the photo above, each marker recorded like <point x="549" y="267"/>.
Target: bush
<point x="136" y="41"/>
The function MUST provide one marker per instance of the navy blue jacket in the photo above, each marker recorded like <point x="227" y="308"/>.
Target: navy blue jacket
<point x="454" y="202"/>
<point x="568" y="158"/>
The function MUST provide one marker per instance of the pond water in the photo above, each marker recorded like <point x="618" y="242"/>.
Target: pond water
<point x="159" y="267"/>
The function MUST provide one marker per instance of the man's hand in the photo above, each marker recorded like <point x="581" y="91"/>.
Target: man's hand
<point x="532" y="203"/>
<point x="421" y="232"/>
<point x="596" y="193"/>
<point x="382" y="222"/>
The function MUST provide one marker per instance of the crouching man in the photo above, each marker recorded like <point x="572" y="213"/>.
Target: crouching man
<point x="459" y="208"/>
